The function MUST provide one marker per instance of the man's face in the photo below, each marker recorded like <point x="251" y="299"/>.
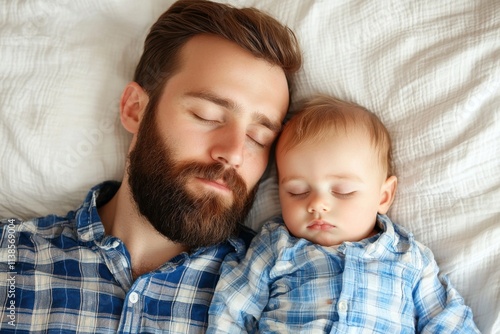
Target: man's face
<point x="193" y="171"/>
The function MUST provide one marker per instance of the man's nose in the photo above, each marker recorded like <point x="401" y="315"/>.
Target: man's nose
<point x="228" y="146"/>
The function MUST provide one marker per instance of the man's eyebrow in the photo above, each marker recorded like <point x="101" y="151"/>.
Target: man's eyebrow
<point x="231" y="105"/>
<point x="265" y="121"/>
<point x="211" y="97"/>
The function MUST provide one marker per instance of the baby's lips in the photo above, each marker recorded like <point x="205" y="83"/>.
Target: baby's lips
<point x="320" y="225"/>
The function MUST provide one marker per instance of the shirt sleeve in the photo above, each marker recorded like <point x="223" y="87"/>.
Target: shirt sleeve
<point x="243" y="289"/>
<point x="439" y="306"/>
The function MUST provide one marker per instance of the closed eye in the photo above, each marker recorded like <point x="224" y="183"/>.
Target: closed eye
<point x="299" y="195"/>
<point x="205" y="120"/>
<point x="343" y="195"/>
<point x="261" y="135"/>
<point x="256" y="142"/>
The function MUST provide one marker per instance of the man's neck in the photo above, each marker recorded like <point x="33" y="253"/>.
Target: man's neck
<point x="148" y="249"/>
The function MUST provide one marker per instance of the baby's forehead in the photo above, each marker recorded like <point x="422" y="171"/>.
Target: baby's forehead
<point x="350" y="128"/>
<point x="333" y="138"/>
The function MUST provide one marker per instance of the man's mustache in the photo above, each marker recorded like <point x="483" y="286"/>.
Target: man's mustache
<point x="214" y="172"/>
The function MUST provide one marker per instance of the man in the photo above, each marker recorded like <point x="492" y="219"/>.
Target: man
<point x="207" y="101"/>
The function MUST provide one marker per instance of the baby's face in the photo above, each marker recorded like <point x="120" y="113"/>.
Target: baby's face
<point x="330" y="190"/>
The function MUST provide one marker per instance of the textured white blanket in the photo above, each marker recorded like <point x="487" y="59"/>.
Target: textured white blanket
<point x="430" y="70"/>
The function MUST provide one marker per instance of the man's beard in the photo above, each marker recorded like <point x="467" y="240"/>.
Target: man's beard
<point x="158" y="186"/>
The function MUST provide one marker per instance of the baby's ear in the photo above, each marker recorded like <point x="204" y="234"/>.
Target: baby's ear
<point x="132" y="104"/>
<point x="387" y="193"/>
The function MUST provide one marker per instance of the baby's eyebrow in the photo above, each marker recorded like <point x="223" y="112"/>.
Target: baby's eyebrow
<point x="341" y="177"/>
<point x="346" y="177"/>
<point x="290" y="178"/>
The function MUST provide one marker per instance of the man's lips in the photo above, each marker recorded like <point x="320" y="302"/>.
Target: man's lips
<point x="320" y="225"/>
<point x="218" y="184"/>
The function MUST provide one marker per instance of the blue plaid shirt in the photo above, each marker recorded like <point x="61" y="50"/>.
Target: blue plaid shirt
<point x="388" y="283"/>
<point x="64" y="275"/>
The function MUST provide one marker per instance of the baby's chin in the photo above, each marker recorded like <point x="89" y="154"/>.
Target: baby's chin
<point x="332" y="239"/>
<point x="326" y="240"/>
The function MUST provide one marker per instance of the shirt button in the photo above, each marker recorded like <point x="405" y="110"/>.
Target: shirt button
<point x="134" y="297"/>
<point x="342" y="306"/>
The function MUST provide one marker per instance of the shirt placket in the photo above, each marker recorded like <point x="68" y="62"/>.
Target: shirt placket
<point x="119" y="265"/>
<point x="349" y="283"/>
<point x="133" y="307"/>
<point x="118" y="262"/>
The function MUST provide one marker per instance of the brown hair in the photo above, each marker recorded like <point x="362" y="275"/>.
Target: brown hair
<point x="251" y="29"/>
<point x="323" y="115"/>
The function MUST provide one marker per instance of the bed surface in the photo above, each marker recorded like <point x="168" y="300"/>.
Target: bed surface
<point x="430" y="70"/>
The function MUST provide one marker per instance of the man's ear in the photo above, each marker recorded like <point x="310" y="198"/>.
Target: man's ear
<point x="132" y="105"/>
<point x="387" y="193"/>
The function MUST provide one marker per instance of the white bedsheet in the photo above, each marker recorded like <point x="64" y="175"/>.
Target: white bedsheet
<point x="430" y="70"/>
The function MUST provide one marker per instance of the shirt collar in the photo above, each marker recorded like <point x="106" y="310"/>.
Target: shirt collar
<point x="392" y="237"/>
<point x="88" y="222"/>
<point x="242" y="241"/>
<point x="237" y="243"/>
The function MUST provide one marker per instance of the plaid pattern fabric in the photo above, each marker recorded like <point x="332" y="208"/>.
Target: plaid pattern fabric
<point x="388" y="283"/>
<point x="67" y="276"/>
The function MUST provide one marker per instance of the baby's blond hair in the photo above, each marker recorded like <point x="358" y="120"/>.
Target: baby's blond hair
<point x="323" y="116"/>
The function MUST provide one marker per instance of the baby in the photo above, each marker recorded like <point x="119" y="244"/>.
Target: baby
<point x="334" y="262"/>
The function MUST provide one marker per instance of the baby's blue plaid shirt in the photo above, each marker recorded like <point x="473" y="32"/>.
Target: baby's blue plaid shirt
<point x="69" y="277"/>
<point x="386" y="284"/>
